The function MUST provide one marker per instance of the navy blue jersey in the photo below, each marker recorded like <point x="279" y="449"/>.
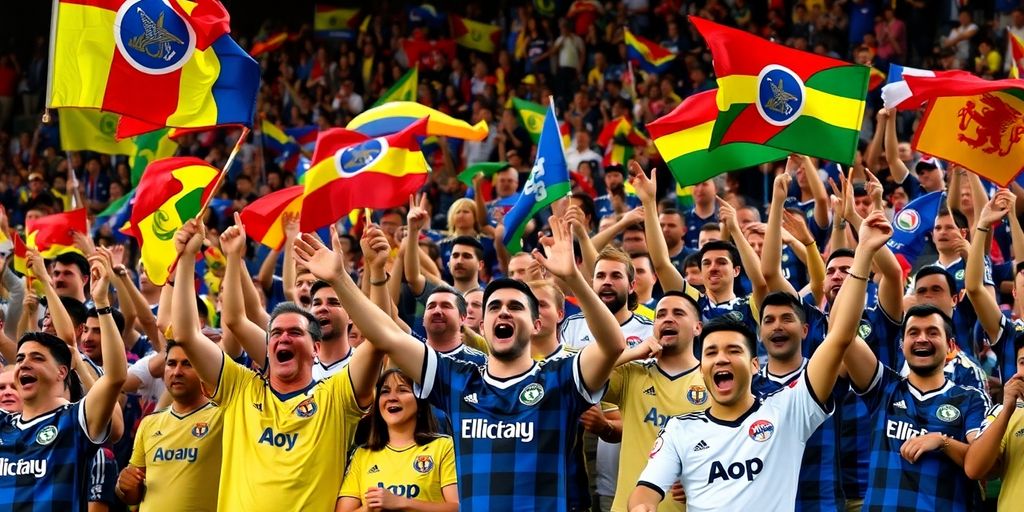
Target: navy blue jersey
<point x="513" y="437"/>
<point x="737" y="309"/>
<point x="45" y="462"/>
<point x="604" y="208"/>
<point x="1010" y="330"/>
<point x="693" y="224"/>
<point x="900" y="411"/>
<point x="462" y="353"/>
<point x="103" y="478"/>
<point x="821" y="234"/>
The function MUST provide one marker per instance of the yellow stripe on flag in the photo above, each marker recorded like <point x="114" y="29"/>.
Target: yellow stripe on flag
<point x="79" y="76"/>
<point x="86" y="129"/>
<point x="196" y="105"/>
<point x="397" y="163"/>
<point x="676" y="144"/>
<point x="828" y="108"/>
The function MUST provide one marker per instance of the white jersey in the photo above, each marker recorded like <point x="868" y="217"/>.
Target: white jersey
<point x="321" y="371"/>
<point x="575" y="332"/>
<point x="752" y="463"/>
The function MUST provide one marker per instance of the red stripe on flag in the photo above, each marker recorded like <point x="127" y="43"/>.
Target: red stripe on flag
<point x="364" y="190"/>
<point x="753" y="128"/>
<point x="130" y="90"/>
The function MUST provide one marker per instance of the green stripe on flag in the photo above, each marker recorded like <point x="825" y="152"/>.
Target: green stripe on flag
<point x="845" y="81"/>
<point x="724" y="121"/>
<point x="555" y="192"/>
<point x="698" y="166"/>
<point x="487" y="168"/>
<point x="808" y="135"/>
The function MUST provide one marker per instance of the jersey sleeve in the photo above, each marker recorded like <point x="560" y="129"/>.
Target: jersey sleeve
<point x="974" y="412"/>
<point x="351" y="485"/>
<point x="83" y="423"/>
<point x="138" y="458"/>
<point x="802" y="408"/>
<point x="590" y="398"/>
<point x="342" y="389"/>
<point x="873" y="394"/>
<point x="617" y="382"/>
<point x="102" y="478"/>
<point x="447" y="462"/>
<point x="664" y="465"/>
<point x="437" y="379"/>
<point x="231" y="382"/>
<point x="1009" y="330"/>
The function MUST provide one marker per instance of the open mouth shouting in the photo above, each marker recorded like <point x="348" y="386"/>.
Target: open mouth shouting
<point x="504" y="332"/>
<point x="778" y="339"/>
<point x="27" y="380"/>
<point x="922" y="350"/>
<point x="284" y="354"/>
<point x="724" y="381"/>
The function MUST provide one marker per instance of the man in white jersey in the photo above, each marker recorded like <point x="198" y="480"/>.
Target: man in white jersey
<point x="721" y="455"/>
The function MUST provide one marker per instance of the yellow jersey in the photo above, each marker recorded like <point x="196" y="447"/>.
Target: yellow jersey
<point x="1011" y="458"/>
<point x="283" y="452"/>
<point x="415" y="472"/>
<point x="647" y="398"/>
<point x="181" y="455"/>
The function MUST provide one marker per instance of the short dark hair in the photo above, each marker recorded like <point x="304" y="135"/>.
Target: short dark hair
<point x="615" y="168"/>
<point x="118" y="317"/>
<point x="76" y="310"/>
<point x="317" y="286"/>
<point x="673" y="211"/>
<point x="504" y="282"/>
<point x="779" y="298"/>
<point x="958" y="217"/>
<point x="720" y="245"/>
<point x="929" y="270"/>
<point x="73" y="258"/>
<point x="57" y="347"/>
<point x="711" y="226"/>
<point x="726" y="324"/>
<point x="460" y="300"/>
<point x="684" y="295"/>
<point x="842" y="252"/>
<point x="691" y="260"/>
<point x="171" y="344"/>
<point x="471" y="241"/>
<point x="291" y="307"/>
<point x="202" y="308"/>
<point x="926" y="310"/>
<point x="587" y="205"/>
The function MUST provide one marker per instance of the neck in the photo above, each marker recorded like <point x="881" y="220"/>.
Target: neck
<point x="189" y="404"/>
<point x="678" y="360"/>
<point x="732" y="411"/>
<point x="623" y="315"/>
<point x="704" y="210"/>
<point x="675" y="248"/>
<point x="444" y="343"/>
<point x="466" y="285"/>
<point x="470" y="231"/>
<point x="543" y="346"/>
<point x="643" y="296"/>
<point x="949" y="256"/>
<point x="34" y="408"/>
<point x="779" y="366"/>
<point x="928" y="382"/>
<point x="503" y="369"/>
<point x="333" y="351"/>
<point x="300" y="381"/>
<point x="719" y="296"/>
<point x="152" y="296"/>
<point x="402" y="434"/>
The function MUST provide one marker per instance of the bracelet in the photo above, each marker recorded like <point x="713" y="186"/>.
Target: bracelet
<point x="104" y="311"/>
<point x="855" y="276"/>
<point x="382" y="282"/>
<point x="945" y="443"/>
<point x="983" y="229"/>
<point x="808" y="244"/>
<point x="842" y="224"/>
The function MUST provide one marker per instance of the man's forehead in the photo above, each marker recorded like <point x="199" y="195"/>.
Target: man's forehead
<point x="507" y="295"/>
<point x="326" y="292"/>
<point x="288" y="319"/>
<point x="609" y="266"/>
<point x="441" y="297"/>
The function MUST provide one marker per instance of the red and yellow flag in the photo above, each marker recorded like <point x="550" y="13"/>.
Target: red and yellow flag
<point x="618" y="138"/>
<point x="52" y="235"/>
<point x="372" y="173"/>
<point x="1016" y="55"/>
<point x="172" y="191"/>
<point x="156" y="62"/>
<point x="474" y="34"/>
<point x="263" y="217"/>
<point x="20" y="255"/>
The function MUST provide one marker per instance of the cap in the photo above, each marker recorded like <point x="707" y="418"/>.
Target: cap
<point x="928" y="162"/>
<point x="615" y="168"/>
<point x="36" y="175"/>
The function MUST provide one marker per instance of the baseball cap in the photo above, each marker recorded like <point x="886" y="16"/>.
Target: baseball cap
<point x="928" y="162"/>
<point x="36" y="175"/>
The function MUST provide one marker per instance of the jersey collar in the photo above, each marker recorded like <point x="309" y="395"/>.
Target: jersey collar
<point x="738" y="421"/>
<point x="922" y="396"/>
<point x="507" y="382"/>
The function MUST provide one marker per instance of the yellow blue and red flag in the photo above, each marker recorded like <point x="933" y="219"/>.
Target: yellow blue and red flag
<point x="395" y="116"/>
<point x="156" y="62"/>
<point x="651" y="56"/>
<point x="618" y="138"/>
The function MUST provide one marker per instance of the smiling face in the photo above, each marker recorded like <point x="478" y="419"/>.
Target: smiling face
<point x="718" y="271"/>
<point x="10" y="400"/>
<point x="396" y="401"/>
<point x="330" y="314"/>
<point x="509" y="324"/>
<point x="782" y="332"/>
<point x="180" y="378"/>
<point x="611" y="282"/>
<point x="727" y="366"/>
<point x="441" y="316"/>
<point x="37" y="373"/>
<point x="90" y="340"/>
<point x="676" y="323"/>
<point x="290" y="348"/>
<point x="925" y="344"/>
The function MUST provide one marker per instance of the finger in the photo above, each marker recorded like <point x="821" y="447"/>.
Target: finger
<point x="238" y="219"/>
<point x="543" y="260"/>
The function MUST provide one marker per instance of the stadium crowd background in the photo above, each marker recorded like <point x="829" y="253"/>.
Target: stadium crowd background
<point x="574" y="53"/>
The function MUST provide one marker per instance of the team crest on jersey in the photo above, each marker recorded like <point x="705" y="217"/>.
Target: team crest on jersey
<point x="199" y="430"/>
<point x="658" y="443"/>
<point x="864" y="330"/>
<point x="531" y="394"/>
<point x="633" y="341"/>
<point x="153" y="37"/>
<point x="761" y="430"/>
<point x="46" y="435"/>
<point x="697" y="395"/>
<point x="734" y="316"/>
<point x="947" y="413"/>
<point x="423" y="464"/>
<point x="306" y="409"/>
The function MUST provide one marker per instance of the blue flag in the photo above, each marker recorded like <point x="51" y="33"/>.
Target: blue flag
<point x="912" y="224"/>
<point x="548" y="182"/>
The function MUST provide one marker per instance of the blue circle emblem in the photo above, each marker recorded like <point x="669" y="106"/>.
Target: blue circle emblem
<point x="153" y="37"/>
<point x="780" y="95"/>
<point x="354" y="159"/>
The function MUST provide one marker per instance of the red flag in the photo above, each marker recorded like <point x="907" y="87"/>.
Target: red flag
<point x="52" y="235"/>
<point x="426" y="52"/>
<point x="263" y="217"/>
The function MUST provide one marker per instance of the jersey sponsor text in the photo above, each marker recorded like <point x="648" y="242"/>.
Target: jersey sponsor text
<point x="479" y="428"/>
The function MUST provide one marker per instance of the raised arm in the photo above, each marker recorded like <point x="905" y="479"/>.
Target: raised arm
<point x="823" y="367"/>
<point x="974" y="275"/>
<point x="748" y="257"/>
<point x="771" y="252"/>
<point x="417" y="219"/>
<point x="124" y="298"/>
<point x="597" y="359"/>
<point x="818" y="191"/>
<point x="288" y="272"/>
<point x="62" y="323"/>
<point x="205" y="355"/>
<point x="366" y="360"/>
<point x="797" y="227"/>
<point x="897" y="169"/>
<point x="403" y="350"/>
<point x="100" y="401"/>
<point x="605" y="237"/>
<point x="874" y="150"/>
<point x="250" y="335"/>
<point x="985" y="454"/>
<point x="646" y="190"/>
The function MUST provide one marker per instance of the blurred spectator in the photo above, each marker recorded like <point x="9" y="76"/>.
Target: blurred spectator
<point x="959" y="38"/>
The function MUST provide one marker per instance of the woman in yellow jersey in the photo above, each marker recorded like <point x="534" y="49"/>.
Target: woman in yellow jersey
<point x="405" y="464"/>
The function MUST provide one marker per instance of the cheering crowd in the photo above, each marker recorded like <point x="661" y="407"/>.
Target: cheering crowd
<point x="748" y="341"/>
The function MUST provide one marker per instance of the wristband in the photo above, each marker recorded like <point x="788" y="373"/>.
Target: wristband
<point x="382" y="282"/>
<point x="855" y="276"/>
<point x="983" y="229"/>
<point x="808" y="244"/>
<point x="104" y="311"/>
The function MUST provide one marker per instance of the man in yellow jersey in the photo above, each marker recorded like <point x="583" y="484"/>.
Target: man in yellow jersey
<point x="175" y="464"/>
<point x="285" y="435"/>
<point x="650" y="391"/>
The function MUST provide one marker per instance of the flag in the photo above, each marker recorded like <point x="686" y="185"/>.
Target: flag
<point x="629" y="81"/>
<point x="276" y="140"/>
<point x="876" y="77"/>
<point x="683" y="138"/>
<point x="531" y="116"/>
<point x="52" y="235"/>
<point x="150" y="147"/>
<point x="784" y="98"/>
<point x="269" y="44"/>
<point x="911" y="225"/>
<point x="487" y="168"/>
<point x="372" y="173"/>
<point x="172" y="191"/>
<point x="156" y="62"/>
<point x="6" y="245"/>
<point x="981" y="132"/>
<point x="618" y="138"/>
<point x="395" y="116"/>
<point x="86" y="129"/>
<point x="405" y="89"/>
<point x="897" y="90"/>
<point x="334" y="22"/>
<point x="684" y="197"/>
<point x="424" y="53"/>
<point x="566" y="132"/>
<point x="426" y="14"/>
<point x="652" y="57"/>
<point x="475" y="35"/>
<point x="263" y="217"/>
<point x="1016" y="54"/>
<point x="545" y="8"/>
<point x="548" y="182"/>
<point x="20" y="255"/>
<point x="117" y="214"/>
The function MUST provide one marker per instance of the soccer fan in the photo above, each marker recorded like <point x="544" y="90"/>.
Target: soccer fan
<point x="333" y="351"/>
<point x="474" y="309"/>
<point x="48" y="446"/>
<point x="704" y="211"/>
<point x="998" y="450"/>
<point x="70" y="276"/>
<point x="278" y="422"/>
<point x="512" y="410"/>
<point x="544" y="344"/>
<point x="647" y="387"/>
<point x="175" y="464"/>
<point x="614" y="182"/>
<point x="723" y="456"/>
<point x="10" y="400"/>
<point x="405" y="463"/>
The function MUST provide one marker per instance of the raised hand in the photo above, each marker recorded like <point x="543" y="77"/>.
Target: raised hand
<point x="323" y="262"/>
<point x="375" y="246"/>
<point x="418" y="216"/>
<point x="634" y="216"/>
<point x="875" y="231"/>
<point x="189" y="239"/>
<point x="646" y="188"/>
<point x="99" y="281"/>
<point x="232" y="240"/>
<point x="116" y="255"/>
<point x="38" y="266"/>
<point x="797" y="227"/>
<point x="290" y="223"/>
<point x="727" y="216"/>
<point x="560" y="260"/>
<point x="874" y="187"/>
<point x="1013" y="390"/>
<point x="780" y="187"/>
<point x="83" y="242"/>
<point x="996" y="208"/>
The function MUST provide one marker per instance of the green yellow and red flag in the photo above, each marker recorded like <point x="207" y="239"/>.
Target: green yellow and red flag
<point x="1016" y="55"/>
<point x="784" y="98"/>
<point x="52" y="235"/>
<point x="618" y="138"/>
<point x="474" y="34"/>
<point x="20" y="254"/>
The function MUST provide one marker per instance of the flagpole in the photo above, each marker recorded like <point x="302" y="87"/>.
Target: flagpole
<point x="51" y="57"/>
<point x="224" y="171"/>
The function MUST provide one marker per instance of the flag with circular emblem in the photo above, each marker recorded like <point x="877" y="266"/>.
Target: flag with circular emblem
<point x="531" y="116"/>
<point x="172" y="191"/>
<point x="86" y="129"/>
<point x="784" y="98"/>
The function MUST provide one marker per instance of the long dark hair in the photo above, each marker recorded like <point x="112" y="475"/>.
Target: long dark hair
<point x="426" y="424"/>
